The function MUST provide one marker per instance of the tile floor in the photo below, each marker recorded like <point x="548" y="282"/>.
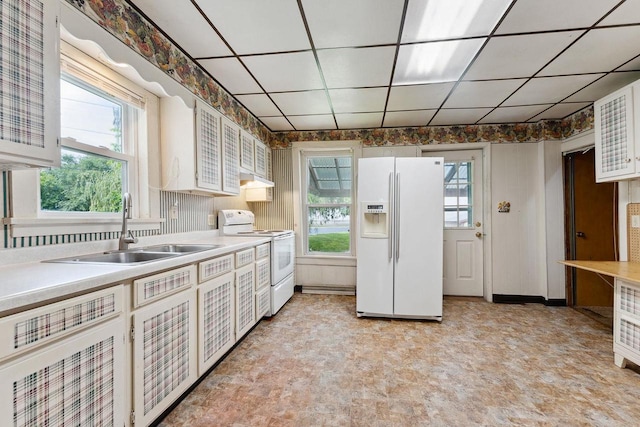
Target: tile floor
<point x="317" y="364"/>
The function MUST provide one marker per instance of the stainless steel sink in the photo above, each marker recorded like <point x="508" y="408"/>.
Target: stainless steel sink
<point x="128" y="257"/>
<point x="182" y="248"/>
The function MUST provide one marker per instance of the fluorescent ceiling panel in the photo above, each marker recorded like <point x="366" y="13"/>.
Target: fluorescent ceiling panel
<point x="408" y="118"/>
<point x="627" y="13"/>
<point x="514" y="114"/>
<point x="185" y="25"/>
<point x="308" y="102"/>
<point x="276" y="123"/>
<point x="353" y="68"/>
<point x="560" y="111"/>
<point x="618" y="46"/>
<point x="358" y="100"/>
<point x="459" y="116"/>
<point x="544" y="15"/>
<point x="422" y="97"/>
<point x="604" y="86"/>
<point x="231" y="74"/>
<point x="482" y="93"/>
<point x="259" y="104"/>
<point x="313" y="122"/>
<point x="434" y="62"/>
<point x="549" y="89"/>
<point x="339" y="23"/>
<point x="257" y="26"/>
<point x="443" y="19"/>
<point x="285" y="72"/>
<point x="359" y="120"/>
<point x="518" y="56"/>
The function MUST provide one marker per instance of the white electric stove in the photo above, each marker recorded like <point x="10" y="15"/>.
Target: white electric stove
<point x="240" y="223"/>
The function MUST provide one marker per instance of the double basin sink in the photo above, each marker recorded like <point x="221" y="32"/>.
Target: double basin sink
<point x="137" y="255"/>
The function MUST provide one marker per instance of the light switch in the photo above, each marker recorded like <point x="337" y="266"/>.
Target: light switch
<point x="635" y="221"/>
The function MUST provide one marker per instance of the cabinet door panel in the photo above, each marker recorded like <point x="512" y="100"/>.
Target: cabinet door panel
<point x="230" y="157"/>
<point x="247" y="159"/>
<point x="164" y="354"/>
<point x="261" y="159"/>
<point x="216" y="317"/>
<point x="245" y="300"/>
<point x="208" y="150"/>
<point x="78" y="381"/>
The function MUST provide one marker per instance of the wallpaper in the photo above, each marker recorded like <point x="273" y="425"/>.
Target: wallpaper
<point x="123" y="22"/>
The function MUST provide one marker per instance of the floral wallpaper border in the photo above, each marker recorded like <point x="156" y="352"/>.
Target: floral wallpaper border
<point x="127" y="25"/>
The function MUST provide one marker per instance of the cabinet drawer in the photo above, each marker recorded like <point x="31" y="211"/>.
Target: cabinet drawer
<point x="26" y="330"/>
<point x="263" y="273"/>
<point x="215" y="267"/>
<point x="263" y="251"/>
<point x="263" y="303"/>
<point x="160" y="285"/>
<point x="244" y="257"/>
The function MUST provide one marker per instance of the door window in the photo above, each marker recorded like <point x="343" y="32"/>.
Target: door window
<point x="458" y="194"/>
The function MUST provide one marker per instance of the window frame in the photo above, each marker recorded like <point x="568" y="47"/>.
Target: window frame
<point x="304" y="156"/>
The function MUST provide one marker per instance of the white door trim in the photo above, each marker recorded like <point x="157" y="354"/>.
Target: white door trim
<point x="486" y="203"/>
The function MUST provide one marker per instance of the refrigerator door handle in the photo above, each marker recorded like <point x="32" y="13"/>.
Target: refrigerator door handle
<point x="391" y="219"/>
<point x="397" y="216"/>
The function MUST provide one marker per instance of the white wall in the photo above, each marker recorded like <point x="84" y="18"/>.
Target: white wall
<point x="553" y="185"/>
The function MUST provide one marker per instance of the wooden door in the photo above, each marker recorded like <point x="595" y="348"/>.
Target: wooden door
<point x="591" y="229"/>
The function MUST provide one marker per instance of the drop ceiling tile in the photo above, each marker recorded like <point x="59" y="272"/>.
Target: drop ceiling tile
<point x="298" y="103"/>
<point x="618" y="45"/>
<point x="359" y="120"/>
<point x="257" y="26"/>
<point x="560" y="111"/>
<point x="632" y="65"/>
<point x="185" y="25"/>
<point x="518" y="56"/>
<point x="514" y="114"/>
<point x="339" y="23"/>
<point x="285" y="72"/>
<point x="434" y="62"/>
<point x="431" y="20"/>
<point x="549" y="89"/>
<point x="459" y="116"/>
<point x="319" y="122"/>
<point x="353" y="68"/>
<point x="604" y="86"/>
<point x="487" y="93"/>
<point x="420" y="97"/>
<point x="259" y="104"/>
<point x="408" y="118"/>
<point x="358" y="100"/>
<point x="542" y="15"/>
<point x="276" y="123"/>
<point x="230" y="73"/>
<point x="627" y="13"/>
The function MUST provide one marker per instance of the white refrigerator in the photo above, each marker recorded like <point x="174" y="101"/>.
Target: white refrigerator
<point x="400" y="237"/>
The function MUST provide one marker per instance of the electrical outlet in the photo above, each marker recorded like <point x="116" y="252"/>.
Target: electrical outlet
<point x="635" y="221"/>
<point x="211" y="220"/>
<point x="173" y="212"/>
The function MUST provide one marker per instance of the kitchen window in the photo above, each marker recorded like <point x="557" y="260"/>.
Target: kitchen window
<point x="327" y="196"/>
<point x="99" y="122"/>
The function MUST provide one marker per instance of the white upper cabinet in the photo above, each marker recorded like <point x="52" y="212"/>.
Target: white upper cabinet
<point x="193" y="156"/>
<point x="617" y="139"/>
<point x="261" y="159"/>
<point x="30" y="101"/>
<point x="247" y="157"/>
<point x="231" y="157"/>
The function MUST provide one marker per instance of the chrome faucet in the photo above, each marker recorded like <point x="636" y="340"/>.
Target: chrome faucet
<point x="126" y="237"/>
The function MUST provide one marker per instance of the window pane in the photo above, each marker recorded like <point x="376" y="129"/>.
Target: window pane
<point x="329" y="180"/>
<point x="328" y="229"/>
<point x="90" y="118"/>
<point x="83" y="183"/>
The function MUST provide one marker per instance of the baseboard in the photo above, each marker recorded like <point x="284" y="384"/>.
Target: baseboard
<point x="528" y="299"/>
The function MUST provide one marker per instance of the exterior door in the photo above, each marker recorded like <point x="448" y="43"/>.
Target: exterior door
<point x="463" y="222"/>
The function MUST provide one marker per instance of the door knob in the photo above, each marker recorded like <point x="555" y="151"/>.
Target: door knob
<point x="478" y="234"/>
<point x="580" y="234"/>
<point x="478" y="224"/>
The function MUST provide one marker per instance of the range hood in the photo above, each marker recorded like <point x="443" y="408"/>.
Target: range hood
<point x="250" y="180"/>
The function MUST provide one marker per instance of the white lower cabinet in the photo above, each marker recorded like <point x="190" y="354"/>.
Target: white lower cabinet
<point x="72" y="382"/>
<point x="216" y="317"/>
<point x="245" y="300"/>
<point x="626" y="322"/>
<point x="164" y="354"/>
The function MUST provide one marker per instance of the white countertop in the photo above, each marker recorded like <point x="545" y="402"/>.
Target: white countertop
<point x="25" y="281"/>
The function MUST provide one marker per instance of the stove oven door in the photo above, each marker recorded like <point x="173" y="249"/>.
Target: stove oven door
<point x="282" y="257"/>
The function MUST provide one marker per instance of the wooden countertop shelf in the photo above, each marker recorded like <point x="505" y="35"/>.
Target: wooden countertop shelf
<point x="621" y="269"/>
